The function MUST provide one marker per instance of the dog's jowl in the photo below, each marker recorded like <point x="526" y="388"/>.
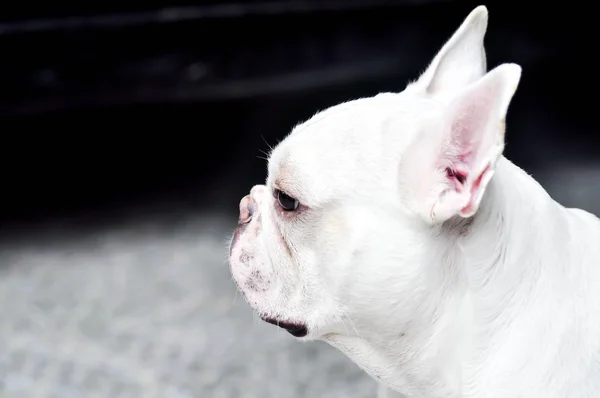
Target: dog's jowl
<point x="394" y="229"/>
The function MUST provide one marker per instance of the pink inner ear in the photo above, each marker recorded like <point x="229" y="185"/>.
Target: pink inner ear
<point x="456" y="178"/>
<point x="469" y="137"/>
<point x="474" y="189"/>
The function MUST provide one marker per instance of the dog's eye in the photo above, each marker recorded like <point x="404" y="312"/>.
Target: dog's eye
<point x="286" y="202"/>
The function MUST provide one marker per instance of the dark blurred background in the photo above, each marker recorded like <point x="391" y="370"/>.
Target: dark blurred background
<point x="130" y="133"/>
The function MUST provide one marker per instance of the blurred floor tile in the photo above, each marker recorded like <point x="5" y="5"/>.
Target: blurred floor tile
<point x="148" y="311"/>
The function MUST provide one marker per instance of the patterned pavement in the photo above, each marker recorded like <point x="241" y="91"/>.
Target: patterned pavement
<point x="147" y="310"/>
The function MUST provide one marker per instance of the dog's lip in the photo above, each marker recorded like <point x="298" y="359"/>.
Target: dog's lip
<point x="293" y="328"/>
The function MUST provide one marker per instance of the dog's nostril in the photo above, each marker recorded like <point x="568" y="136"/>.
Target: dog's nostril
<point x="246" y="209"/>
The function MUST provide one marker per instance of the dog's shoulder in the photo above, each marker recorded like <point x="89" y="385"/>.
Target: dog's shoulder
<point x="584" y="230"/>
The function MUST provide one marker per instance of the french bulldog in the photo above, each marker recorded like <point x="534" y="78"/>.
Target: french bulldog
<point x="394" y="229"/>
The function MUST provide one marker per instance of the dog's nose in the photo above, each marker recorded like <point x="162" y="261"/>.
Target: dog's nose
<point x="246" y="209"/>
<point x="257" y="192"/>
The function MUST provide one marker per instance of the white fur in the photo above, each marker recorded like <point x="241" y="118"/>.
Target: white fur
<point x="428" y="284"/>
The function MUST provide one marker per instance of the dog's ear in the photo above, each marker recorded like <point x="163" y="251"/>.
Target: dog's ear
<point x="461" y="61"/>
<point x="448" y="166"/>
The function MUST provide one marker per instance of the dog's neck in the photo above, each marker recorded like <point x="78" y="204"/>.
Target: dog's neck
<point x="488" y="264"/>
<point x="497" y="248"/>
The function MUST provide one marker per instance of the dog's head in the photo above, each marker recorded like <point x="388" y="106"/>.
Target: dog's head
<point x="340" y="240"/>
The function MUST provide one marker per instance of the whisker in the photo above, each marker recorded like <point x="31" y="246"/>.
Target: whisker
<point x="345" y="326"/>
<point x="353" y="325"/>
<point x="267" y="144"/>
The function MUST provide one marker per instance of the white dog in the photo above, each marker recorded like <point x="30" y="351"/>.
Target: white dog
<point x="381" y="231"/>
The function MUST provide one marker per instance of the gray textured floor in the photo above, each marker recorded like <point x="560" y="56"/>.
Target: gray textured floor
<point x="147" y="309"/>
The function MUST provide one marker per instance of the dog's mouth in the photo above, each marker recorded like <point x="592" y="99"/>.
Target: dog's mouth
<point x="295" y="329"/>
